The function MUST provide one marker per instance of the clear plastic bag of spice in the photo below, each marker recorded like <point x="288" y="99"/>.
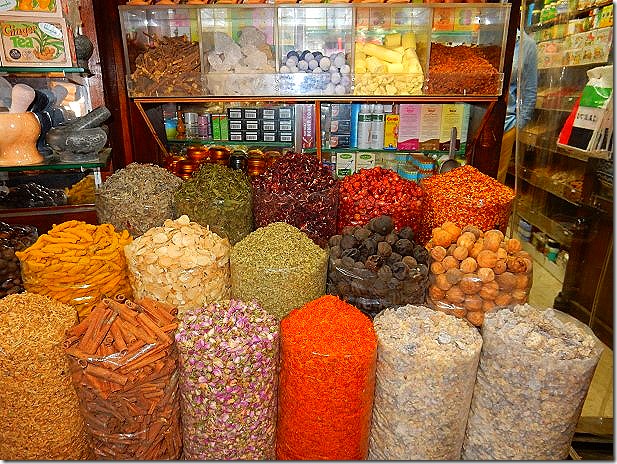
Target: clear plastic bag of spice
<point x="314" y="213"/>
<point x="220" y="198"/>
<point x="123" y="360"/>
<point x="137" y="198"/>
<point x="426" y="369"/>
<point x="373" y="291"/>
<point x="12" y="239"/>
<point x="535" y="370"/>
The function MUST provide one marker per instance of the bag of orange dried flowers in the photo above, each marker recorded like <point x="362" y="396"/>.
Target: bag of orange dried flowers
<point x="474" y="271"/>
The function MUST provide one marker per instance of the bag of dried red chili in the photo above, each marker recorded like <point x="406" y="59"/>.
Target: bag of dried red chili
<point x="299" y="190"/>
<point x="465" y="196"/>
<point x="374" y="192"/>
<point x="327" y="381"/>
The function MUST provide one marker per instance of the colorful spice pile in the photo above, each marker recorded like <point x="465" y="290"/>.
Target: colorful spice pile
<point x="374" y="267"/>
<point x="299" y="190"/>
<point x="228" y="377"/>
<point x="535" y="370"/>
<point x="123" y="362"/>
<point x="461" y="70"/>
<point x="137" y="198"/>
<point x="181" y="263"/>
<point x="327" y="381"/>
<point x="278" y="266"/>
<point x="82" y="192"/>
<point x="473" y="271"/>
<point x="426" y="370"/>
<point x="77" y="263"/>
<point x="39" y="410"/>
<point x="218" y="197"/>
<point x="13" y="238"/>
<point x="465" y="196"/>
<point x="378" y="191"/>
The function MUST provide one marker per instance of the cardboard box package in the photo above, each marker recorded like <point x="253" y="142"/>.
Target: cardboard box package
<point x="27" y="42"/>
<point x="38" y="8"/>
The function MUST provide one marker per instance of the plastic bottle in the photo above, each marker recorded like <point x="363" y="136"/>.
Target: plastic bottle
<point x="377" y="127"/>
<point x="364" y="127"/>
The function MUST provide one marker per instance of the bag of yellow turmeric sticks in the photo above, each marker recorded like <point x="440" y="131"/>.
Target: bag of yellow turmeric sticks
<point x="77" y="263"/>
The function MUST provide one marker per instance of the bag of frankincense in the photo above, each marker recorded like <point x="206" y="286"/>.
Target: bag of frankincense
<point x="123" y="360"/>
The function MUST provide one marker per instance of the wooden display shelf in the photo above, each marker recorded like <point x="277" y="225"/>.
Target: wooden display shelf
<point x="543" y="142"/>
<point x="45" y="218"/>
<point x="552" y="268"/>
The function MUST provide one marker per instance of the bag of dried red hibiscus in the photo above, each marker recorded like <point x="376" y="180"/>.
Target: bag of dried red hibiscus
<point x="299" y="190"/>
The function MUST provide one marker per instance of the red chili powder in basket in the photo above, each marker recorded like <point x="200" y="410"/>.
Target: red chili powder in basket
<point x="327" y="380"/>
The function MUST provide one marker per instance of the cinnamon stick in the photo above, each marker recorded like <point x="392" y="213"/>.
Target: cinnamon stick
<point x="156" y="311"/>
<point x="119" y="342"/>
<point x="150" y="324"/>
<point x="106" y="374"/>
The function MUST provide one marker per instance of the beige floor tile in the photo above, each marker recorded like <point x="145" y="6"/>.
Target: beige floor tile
<point x="599" y="400"/>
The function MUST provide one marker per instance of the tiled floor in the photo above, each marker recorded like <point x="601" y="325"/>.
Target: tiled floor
<point x="599" y="402"/>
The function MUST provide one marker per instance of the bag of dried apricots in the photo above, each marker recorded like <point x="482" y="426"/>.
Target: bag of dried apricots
<point x="475" y="271"/>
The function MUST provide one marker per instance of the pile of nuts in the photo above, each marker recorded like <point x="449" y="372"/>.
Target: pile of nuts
<point x="475" y="271"/>
<point x="182" y="263"/>
<point x="374" y="267"/>
<point x="12" y="239"/>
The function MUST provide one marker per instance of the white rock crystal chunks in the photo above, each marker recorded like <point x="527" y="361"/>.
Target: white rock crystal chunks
<point x="250" y="35"/>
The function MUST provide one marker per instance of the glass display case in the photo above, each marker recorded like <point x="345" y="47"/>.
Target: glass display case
<point x="315" y="49"/>
<point x="564" y="210"/>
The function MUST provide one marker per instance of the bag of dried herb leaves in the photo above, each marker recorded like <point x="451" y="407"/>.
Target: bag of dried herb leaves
<point x="299" y="190"/>
<point x="374" y="267"/>
<point x="218" y="197"/>
<point x="137" y="198"/>
<point x="426" y="369"/>
<point x="535" y="370"/>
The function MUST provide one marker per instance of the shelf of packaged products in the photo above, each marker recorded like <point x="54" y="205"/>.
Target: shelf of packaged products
<point x="573" y="66"/>
<point x="565" y="192"/>
<point x="552" y="228"/>
<point x="571" y="15"/>
<point x="104" y="156"/>
<point x="230" y="143"/>
<point x="551" y="267"/>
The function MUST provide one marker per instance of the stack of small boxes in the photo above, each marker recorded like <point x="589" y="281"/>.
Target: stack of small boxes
<point x="270" y="124"/>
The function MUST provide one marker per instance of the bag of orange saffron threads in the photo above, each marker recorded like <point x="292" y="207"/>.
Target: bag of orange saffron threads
<point x="327" y="380"/>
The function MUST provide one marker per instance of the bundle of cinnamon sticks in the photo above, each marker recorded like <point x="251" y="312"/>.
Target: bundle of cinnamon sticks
<point x="123" y="361"/>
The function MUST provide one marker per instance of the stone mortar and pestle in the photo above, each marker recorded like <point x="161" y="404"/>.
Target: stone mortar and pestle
<point x="80" y="139"/>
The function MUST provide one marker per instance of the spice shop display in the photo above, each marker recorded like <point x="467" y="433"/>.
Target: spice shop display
<point x="181" y="263"/>
<point x="327" y="381"/>
<point x="32" y="195"/>
<point x="218" y="197"/>
<point x="168" y="66"/>
<point x="279" y="267"/>
<point x="228" y="379"/>
<point x="299" y="190"/>
<point x="39" y="410"/>
<point x="473" y="271"/>
<point x="123" y="361"/>
<point x="375" y="266"/>
<point x="13" y="238"/>
<point x="465" y="196"/>
<point x="244" y="66"/>
<point x="137" y="198"/>
<point x="83" y="192"/>
<point x="77" y="264"/>
<point x="388" y="68"/>
<point x="378" y="191"/>
<point x="462" y="70"/>
<point x="426" y="370"/>
<point x="313" y="72"/>
<point x="535" y="370"/>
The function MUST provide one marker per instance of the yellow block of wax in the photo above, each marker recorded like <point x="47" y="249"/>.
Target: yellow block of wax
<point x="383" y="53"/>
<point x="395" y="68"/>
<point x="392" y="40"/>
<point x="374" y="65"/>
<point x="408" y="40"/>
<point x="360" y="66"/>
